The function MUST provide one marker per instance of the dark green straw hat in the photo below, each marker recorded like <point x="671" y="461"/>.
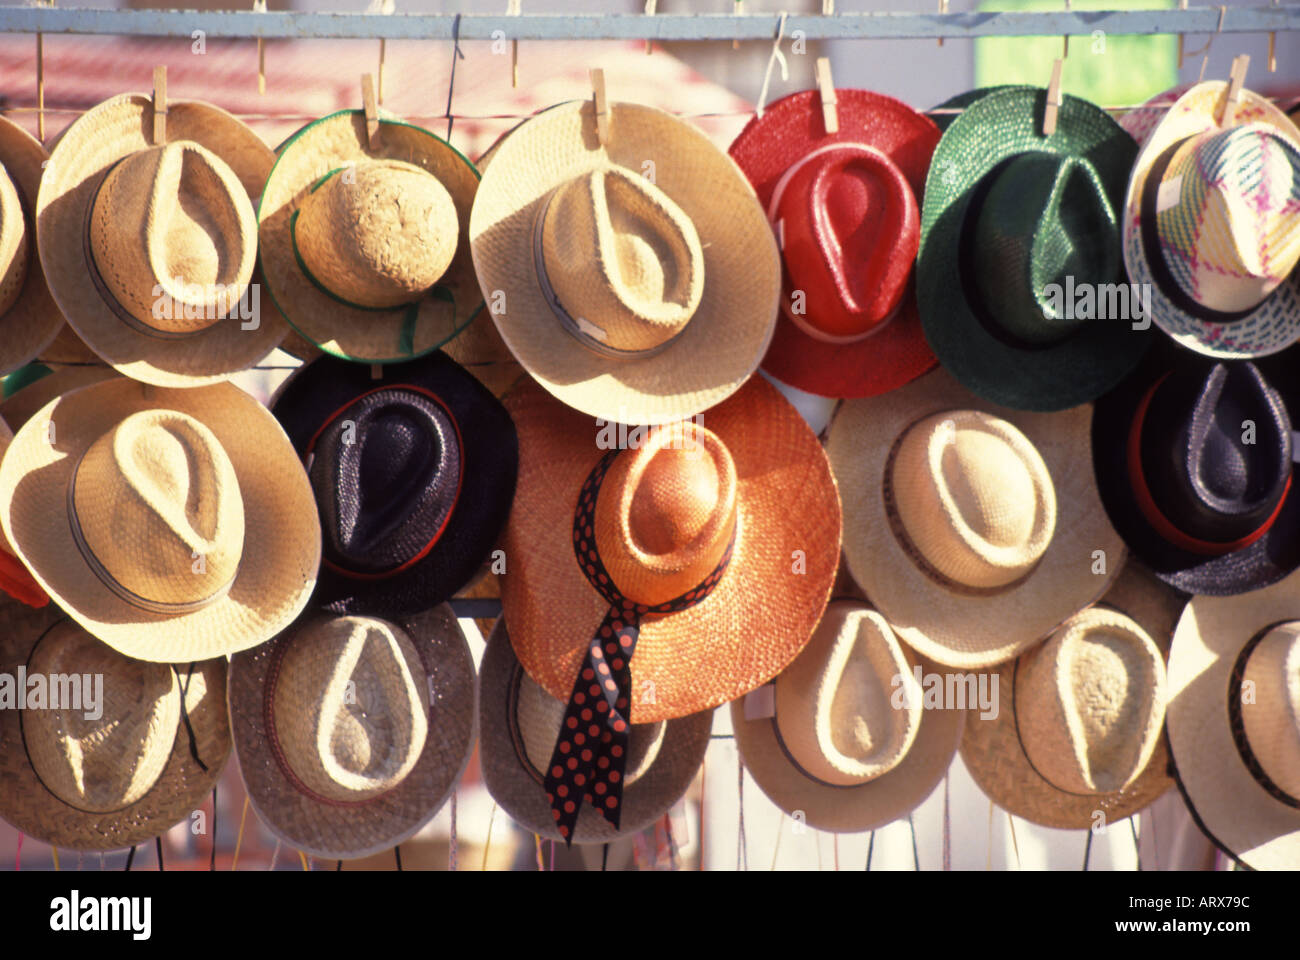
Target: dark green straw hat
<point x="1019" y="276"/>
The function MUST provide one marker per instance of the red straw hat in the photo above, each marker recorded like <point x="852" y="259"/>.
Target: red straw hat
<point x="845" y="209"/>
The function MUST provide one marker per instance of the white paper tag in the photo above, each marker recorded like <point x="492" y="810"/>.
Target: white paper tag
<point x="1170" y="192"/>
<point x="760" y="704"/>
<point x="591" y="330"/>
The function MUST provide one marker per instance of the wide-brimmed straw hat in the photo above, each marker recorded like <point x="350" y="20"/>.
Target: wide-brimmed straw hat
<point x="1015" y="227"/>
<point x="845" y="209"/>
<point x="365" y="240"/>
<point x="174" y="525"/>
<point x="518" y="726"/>
<point x="1212" y="224"/>
<point x="1193" y="460"/>
<point x="351" y="732"/>
<point x="1233" y="721"/>
<point x="1079" y="724"/>
<point x="970" y="527"/>
<point x="149" y="249"/>
<point x="413" y="475"/>
<point x="636" y="280"/>
<point x="844" y="736"/>
<point x="129" y="748"/>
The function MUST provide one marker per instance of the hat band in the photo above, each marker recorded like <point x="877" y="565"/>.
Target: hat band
<point x="1152" y="514"/>
<point x="309" y="454"/>
<point x="799" y="768"/>
<point x="600" y="707"/>
<point x="107" y="579"/>
<point x="1238" y="726"/>
<point x="574" y="327"/>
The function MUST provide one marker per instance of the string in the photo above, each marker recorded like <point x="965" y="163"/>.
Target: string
<point x="988" y="854"/>
<point x="275" y="855"/>
<point x="212" y="864"/>
<point x="397" y="856"/>
<point x="780" y="828"/>
<point x="130" y="858"/>
<point x="451" y="85"/>
<point x="306" y="865"/>
<point x="452" y="854"/>
<point x="604" y="857"/>
<point x="699" y="866"/>
<point x="947" y="832"/>
<point x="1087" y="850"/>
<point x="916" y="856"/>
<point x="742" y="854"/>
<point x="158" y="846"/>
<point x="55" y="852"/>
<point x="338" y="867"/>
<point x="1155" y="840"/>
<point x="538" y="839"/>
<point x="767" y="74"/>
<point x="1208" y="43"/>
<point x="1014" y="844"/>
<point x="673" y="849"/>
<point x="871" y="846"/>
<point x="239" y="837"/>
<point x="487" y="844"/>
<point x="1137" y="846"/>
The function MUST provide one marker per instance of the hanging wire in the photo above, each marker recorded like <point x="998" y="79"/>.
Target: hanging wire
<point x="130" y="859"/>
<point x="397" y="857"/>
<point x="158" y="846"/>
<point x="776" y="847"/>
<point x="916" y="856"/>
<point x="871" y="846"/>
<point x="451" y="85"/>
<point x="239" y="837"/>
<point x="1087" y="850"/>
<point x="212" y="864"/>
<point x="742" y="853"/>
<point x="1137" y="846"/>
<point x="487" y="844"/>
<point x="452" y="853"/>
<point x="1015" y="845"/>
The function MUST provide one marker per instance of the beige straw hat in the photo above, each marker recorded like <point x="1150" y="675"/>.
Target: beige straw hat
<point x="149" y="249"/>
<point x="1078" y="731"/>
<point x="351" y="732"/>
<point x="174" y="525"/>
<point x="364" y="243"/>
<point x="637" y="280"/>
<point x="21" y="405"/>
<point x="973" y="529"/>
<point x="1234" y="721"/>
<point x="844" y="738"/>
<point x="152" y="754"/>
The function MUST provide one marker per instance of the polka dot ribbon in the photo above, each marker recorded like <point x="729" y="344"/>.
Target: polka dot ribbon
<point x="591" y="752"/>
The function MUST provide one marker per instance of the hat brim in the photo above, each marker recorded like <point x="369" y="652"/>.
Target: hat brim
<point x="769" y="145"/>
<point x="21" y="406"/>
<point x="1231" y="808"/>
<point x="731" y="328"/>
<point x="282" y="544"/>
<point x="992" y="128"/>
<point x="348" y="832"/>
<point x="760" y="615"/>
<point x="490" y="465"/>
<point x="94" y="142"/>
<point x="1274" y="324"/>
<point x="952" y="628"/>
<point x="512" y="782"/>
<point x="993" y="753"/>
<point x="185" y="782"/>
<point x="348" y="332"/>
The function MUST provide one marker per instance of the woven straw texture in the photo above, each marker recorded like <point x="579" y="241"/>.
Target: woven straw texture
<point x="760" y="615"/>
<point x="730" y="330"/>
<point x="1235" y="811"/>
<point x="1003" y="123"/>
<point x="181" y="786"/>
<point x="22" y="405"/>
<point x="955" y="628"/>
<point x="1275" y="323"/>
<point x="350" y="831"/>
<point x="99" y="138"/>
<point x="350" y="332"/>
<point x="995" y="757"/>
<point x="281" y="549"/>
<point x="769" y="145"/>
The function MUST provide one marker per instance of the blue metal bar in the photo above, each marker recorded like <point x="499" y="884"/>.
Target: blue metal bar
<point x="700" y="26"/>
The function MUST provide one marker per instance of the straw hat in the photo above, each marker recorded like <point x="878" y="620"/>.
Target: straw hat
<point x="970" y="527"/>
<point x="845" y="209"/>
<point x="1080" y="717"/>
<point x="174" y="525"/>
<point x="1212" y="224"/>
<point x="14" y="578"/>
<point x="351" y="732"/>
<point x="638" y="280"/>
<point x="413" y="475"/>
<point x="518" y="726"/>
<point x="164" y="299"/>
<point x="364" y="244"/>
<point x="839" y="744"/>
<point x="81" y="782"/>
<point x="1234" y="721"/>
<point x="29" y="388"/>
<point x="1012" y="224"/>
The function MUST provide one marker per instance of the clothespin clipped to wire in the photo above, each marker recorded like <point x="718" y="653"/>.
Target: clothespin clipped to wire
<point x="943" y="8"/>
<point x="381" y="8"/>
<point x="40" y="78"/>
<point x="1272" y="49"/>
<point x="1236" y="80"/>
<point x="826" y="88"/>
<point x="600" y="105"/>
<point x="739" y="9"/>
<point x="159" y="105"/>
<point x="514" y="9"/>
<point x="651" y="7"/>
<point x="259" y="6"/>
<point x="1182" y="5"/>
<point x="1065" y="37"/>
<point x="1053" y="102"/>
<point x="371" y="108"/>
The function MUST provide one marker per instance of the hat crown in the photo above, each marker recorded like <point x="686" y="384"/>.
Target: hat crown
<point x="158" y="506"/>
<point x="14" y="243"/>
<point x="1228" y="215"/>
<point x="973" y="498"/>
<point x="1271" y="718"/>
<point x="109" y="762"/>
<point x="173" y="237"/>
<point x="666" y="512"/>
<point x="351" y="710"/>
<point x="378" y="235"/>
<point x="622" y="260"/>
<point x="1044" y="219"/>
<point x="1090" y="702"/>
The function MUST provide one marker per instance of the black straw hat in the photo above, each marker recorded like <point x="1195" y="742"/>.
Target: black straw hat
<point x="414" y="473"/>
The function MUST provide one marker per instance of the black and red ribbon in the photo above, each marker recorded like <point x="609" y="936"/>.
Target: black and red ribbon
<point x="591" y="752"/>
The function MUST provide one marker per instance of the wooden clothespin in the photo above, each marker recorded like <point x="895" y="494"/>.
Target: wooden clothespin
<point x="371" y="108"/>
<point x="514" y="9"/>
<point x="159" y="105"/>
<point x="40" y="79"/>
<point x="943" y="8"/>
<point x="259" y="6"/>
<point x="600" y="105"/>
<point x="1053" y="98"/>
<point x="1236" y="80"/>
<point x="651" y="6"/>
<point x="381" y="8"/>
<point x="826" y="87"/>
<point x="1272" y="49"/>
<point x="1182" y="5"/>
<point x="828" y="8"/>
